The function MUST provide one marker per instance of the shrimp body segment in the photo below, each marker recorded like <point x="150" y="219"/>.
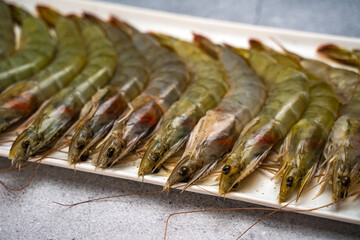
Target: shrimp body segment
<point x="216" y="132"/>
<point x="209" y="85"/>
<point x="288" y="98"/>
<point x="62" y="110"/>
<point x="168" y="80"/>
<point x="21" y="99"/>
<point x="37" y="48"/>
<point x="7" y="35"/>
<point x="129" y="80"/>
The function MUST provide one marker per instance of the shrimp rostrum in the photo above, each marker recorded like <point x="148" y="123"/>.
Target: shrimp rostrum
<point x="209" y="84"/>
<point x="130" y="78"/>
<point x="302" y="148"/>
<point x="63" y="109"/>
<point x="168" y="80"/>
<point x="218" y="130"/>
<point x="288" y="98"/>
<point x="21" y="99"/>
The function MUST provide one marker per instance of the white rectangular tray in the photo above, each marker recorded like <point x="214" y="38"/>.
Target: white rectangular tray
<point x="257" y="188"/>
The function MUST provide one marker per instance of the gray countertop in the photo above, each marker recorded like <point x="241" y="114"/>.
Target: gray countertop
<point x="31" y="213"/>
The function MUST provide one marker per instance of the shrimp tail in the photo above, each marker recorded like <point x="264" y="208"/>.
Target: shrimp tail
<point x="339" y="54"/>
<point x="18" y="13"/>
<point x="206" y="45"/>
<point x="47" y="14"/>
<point x="124" y="26"/>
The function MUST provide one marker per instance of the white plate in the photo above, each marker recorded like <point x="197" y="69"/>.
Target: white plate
<point x="257" y="188"/>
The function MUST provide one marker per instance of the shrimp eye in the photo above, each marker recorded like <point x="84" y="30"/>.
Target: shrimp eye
<point x="25" y="144"/>
<point x="80" y="144"/>
<point x="156" y="170"/>
<point x="183" y="171"/>
<point x="236" y="185"/>
<point x="289" y="181"/>
<point x="110" y="152"/>
<point x="345" y="181"/>
<point x="226" y="169"/>
<point x="84" y="157"/>
<point x="343" y="195"/>
<point x="155" y="156"/>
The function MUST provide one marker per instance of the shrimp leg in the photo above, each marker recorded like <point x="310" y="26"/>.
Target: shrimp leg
<point x="209" y="86"/>
<point x="130" y="79"/>
<point x="36" y="50"/>
<point x="7" y="35"/>
<point x="54" y="119"/>
<point x="217" y="131"/>
<point x="304" y="144"/>
<point x="21" y="99"/>
<point x="168" y="79"/>
<point x="288" y="98"/>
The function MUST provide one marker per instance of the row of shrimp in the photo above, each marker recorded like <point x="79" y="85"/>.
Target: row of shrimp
<point x="228" y="107"/>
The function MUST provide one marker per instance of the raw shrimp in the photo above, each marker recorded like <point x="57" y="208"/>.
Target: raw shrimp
<point x="59" y="113"/>
<point x="7" y="35"/>
<point x="37" y="48"/>
<point x="217" y="131"/>
<point x="207" y="89"/>
<point x="342" y="152"/>
<point x="288" y="98"/>
<point x="339" y="54"/>
<point x="168" y="80"/>
<point x="22" y="99"/>
<point x="302" y="148"/>
<point x="130" y="79"/>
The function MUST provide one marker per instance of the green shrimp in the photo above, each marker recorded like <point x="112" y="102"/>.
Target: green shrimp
<point x="130" y="79"/>
<point x="7" y="34"/>
<point x="342" y="152"/>
<point x="303" y="146"/>
<point x="209" y="85"/>
<point x="168" y="80"/>
<point x="288" y="98"/>
<point x="63" y="109"/>
<point x="218" y="130"/>
<point x="22" y="99"/>
<point x="37" y="48"/>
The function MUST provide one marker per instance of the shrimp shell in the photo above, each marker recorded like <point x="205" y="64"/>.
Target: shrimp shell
<point x="207" y="89"/>
<point x="340" y="55"/>
<point x="217" y="131"/>
<point x="168" y="80"/>
<point x="7" y="35"/>
<point x="59" y="113"/>
<point x="21" y="99"/>
<point x="288" y="98"/>
<point x="37" y="48"/>
<point x="130" y="79"/>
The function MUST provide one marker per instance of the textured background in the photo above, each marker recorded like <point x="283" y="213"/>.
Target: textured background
<point x="30" y="214"/>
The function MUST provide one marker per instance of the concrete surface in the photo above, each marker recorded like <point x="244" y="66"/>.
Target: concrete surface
<point x="31" y="213"/>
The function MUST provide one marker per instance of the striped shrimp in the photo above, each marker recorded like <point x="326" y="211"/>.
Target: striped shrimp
<point x="7" y="35"/>
<point x="217" y="131"/>
<point x="303" y="146"/>
<point x="130" y="79"/>
<point x="168" y="79"/>
<point x="342" y="152"/>
<point x="37" y="48"/>
<point x="339" y="54"/>
<point x="21" y="99"/>
<point x="63" y="109"/>
<point x="209" y="84"/>
<point x="288" y="98"/>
